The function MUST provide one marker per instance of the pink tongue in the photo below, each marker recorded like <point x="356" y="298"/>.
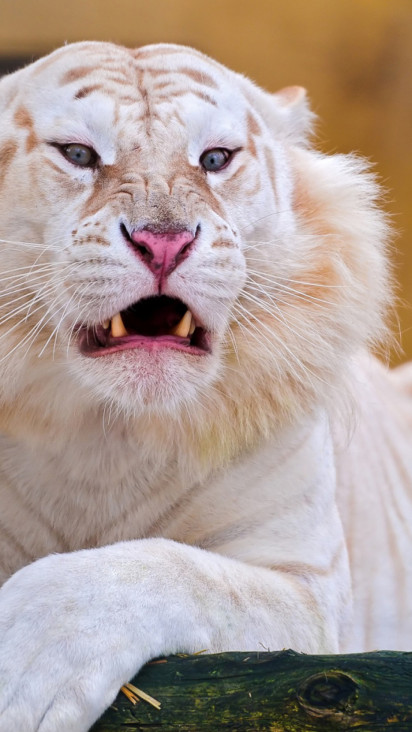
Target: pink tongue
<point x="140" y="338"/>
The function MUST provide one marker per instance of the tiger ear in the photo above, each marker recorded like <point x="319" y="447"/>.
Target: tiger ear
<point x="286" y="113"/>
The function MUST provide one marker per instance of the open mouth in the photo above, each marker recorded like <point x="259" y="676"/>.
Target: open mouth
<point x="151" y="323"/>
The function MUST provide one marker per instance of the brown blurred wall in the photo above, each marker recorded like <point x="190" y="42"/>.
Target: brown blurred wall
<point x="354" y="57"/>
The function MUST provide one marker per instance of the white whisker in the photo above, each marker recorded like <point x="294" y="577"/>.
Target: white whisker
<point x="57" y="327"/>
<point x="276" y="279"/>
<point x="48" y="315"/>
<point x="303" y="368"/>
<point x="41" y="269"/>
<point x="292" y="290"/>
<point x="279" y="316"/>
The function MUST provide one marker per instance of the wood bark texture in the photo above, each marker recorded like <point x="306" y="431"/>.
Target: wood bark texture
<point x="272" y="692"/>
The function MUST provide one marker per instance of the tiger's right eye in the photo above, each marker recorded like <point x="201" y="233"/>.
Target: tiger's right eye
<point x="215" y="159"/>
<point x="81" y="155"/>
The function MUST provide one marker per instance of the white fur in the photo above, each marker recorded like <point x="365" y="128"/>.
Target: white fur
<point x="175" y="503"/>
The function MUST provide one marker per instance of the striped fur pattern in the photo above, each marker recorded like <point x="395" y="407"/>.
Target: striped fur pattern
<point x="244" y="485"/>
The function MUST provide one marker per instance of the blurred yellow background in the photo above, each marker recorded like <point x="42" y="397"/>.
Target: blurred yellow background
<point x="354" y="57"/>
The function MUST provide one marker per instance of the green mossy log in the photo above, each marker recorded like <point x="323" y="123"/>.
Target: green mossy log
<point x="274" y="692"/>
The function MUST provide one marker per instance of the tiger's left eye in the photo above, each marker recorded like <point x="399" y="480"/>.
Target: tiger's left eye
<point x="81" y="155"/>
<point x="216" y="159"/>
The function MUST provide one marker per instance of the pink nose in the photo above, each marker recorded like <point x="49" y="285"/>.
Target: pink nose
<point x="162" y="252"/>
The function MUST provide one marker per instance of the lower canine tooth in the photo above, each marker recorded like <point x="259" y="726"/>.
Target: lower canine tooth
<point x="118" y="330"/>
<point x="182" y="329"/>
<point x="106" y="324"/>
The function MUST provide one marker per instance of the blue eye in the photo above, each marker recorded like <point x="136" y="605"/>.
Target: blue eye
<point x="81" y="155"/>
<point x="216" y="159"/>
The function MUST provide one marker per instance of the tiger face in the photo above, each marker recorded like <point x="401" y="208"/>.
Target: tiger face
<point x="172" y="241"/>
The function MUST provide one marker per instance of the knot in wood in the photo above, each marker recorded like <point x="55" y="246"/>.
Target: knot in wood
<point x="329" y="694"/>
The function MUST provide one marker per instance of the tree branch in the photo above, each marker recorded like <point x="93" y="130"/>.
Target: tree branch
<point x="272" y="692"/>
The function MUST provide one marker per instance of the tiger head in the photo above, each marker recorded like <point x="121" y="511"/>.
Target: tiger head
<point x="171" y="244"/>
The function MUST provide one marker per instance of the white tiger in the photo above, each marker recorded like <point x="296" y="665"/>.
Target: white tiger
<point x="189" y="294"/>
